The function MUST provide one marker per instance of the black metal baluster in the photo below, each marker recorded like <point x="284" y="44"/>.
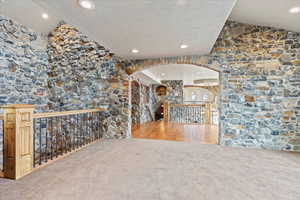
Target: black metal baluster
<point x="77" y="131"/>
<point x="81" y="128"/>
<point x="100" y="128"/>
<point x="56" y="137"/>
<point x="46" y="149"/>
<point x="61" y="137"/>
<point x="51" y="136"/>
<point x="73" y="132"/>
<point x="86" y="128"/>
<point x="34" y="132"/>
<point x="66" y="125"/>
<point x="90" y="128"/>
<point x="98" y="125"/>
<point x="93" y="128"/>
<point x="40" y="157"/>
<point x="69" y="131"/>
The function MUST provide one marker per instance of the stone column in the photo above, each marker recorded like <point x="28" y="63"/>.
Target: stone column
<point x="18" y="140"/>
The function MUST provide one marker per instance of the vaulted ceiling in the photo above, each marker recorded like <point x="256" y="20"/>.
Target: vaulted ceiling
<point x="156" y="28"/>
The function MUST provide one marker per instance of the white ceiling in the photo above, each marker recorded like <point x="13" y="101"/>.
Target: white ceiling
<point x="156" y="27"/>
<point x="29" y="14"/>
<point x="274" y="13"/>
<point x="187" y="73"/>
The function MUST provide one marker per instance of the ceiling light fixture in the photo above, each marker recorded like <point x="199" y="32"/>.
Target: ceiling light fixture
<point x="184" y="46"/>
<point x="294" y="10"/>
<point x="163" y="74"/>
<point x="45" y="16"/>
<point x="87" y="4"/>
<point x="134" y="51"/>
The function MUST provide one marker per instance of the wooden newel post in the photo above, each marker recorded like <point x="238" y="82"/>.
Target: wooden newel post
<point x="208" y="113"/>
<point x="166" y="112"/>
<point x="18" y="140"/>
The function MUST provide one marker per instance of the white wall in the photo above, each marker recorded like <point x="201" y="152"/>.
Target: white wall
<point x="200" y="92"/>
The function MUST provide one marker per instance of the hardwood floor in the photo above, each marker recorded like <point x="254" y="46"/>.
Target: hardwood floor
<point x="205" y="134"/>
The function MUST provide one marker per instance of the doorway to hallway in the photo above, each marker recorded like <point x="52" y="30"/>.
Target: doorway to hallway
<point x="177" y="102"/>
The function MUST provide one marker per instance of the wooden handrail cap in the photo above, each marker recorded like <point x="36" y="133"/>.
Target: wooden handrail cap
<point x="17" y="106"/>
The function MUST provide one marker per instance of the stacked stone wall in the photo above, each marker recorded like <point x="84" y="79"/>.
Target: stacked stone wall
<point x="260" y="85"/>
<point x="174" y="91"/>
<point x="64" y="71"/>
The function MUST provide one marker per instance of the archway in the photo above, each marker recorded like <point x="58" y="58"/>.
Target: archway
<point x="213" y="89"/>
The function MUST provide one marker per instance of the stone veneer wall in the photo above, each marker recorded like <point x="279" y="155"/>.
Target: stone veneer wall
<point x="83" y="74"/>
<point x="260" y="85"/>
<point x="145" y="104"/>
<point x="142" y="102"/>
<point x="135" y="103"/>
<point x="23" y="65"/>
<point x="72" y="72"/>
<point x="260" y="72"/>
<point x="174" y="91"/>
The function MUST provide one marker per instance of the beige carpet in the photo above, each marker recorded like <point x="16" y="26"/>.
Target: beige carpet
<point x="162" y="170"/>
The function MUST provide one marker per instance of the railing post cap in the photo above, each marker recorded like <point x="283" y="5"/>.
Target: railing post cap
<point x="18" y="106"/>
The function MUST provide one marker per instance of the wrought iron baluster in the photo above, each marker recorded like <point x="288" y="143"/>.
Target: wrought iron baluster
<point x="40" y="149"/>
<point x="34" y="128"/>
<point x="77" y="131"/>
<point x="56" y="135"/>
<point x="46" y="148"/>
<point x="86" y="129"/>
<point x="51" y="137"/>
<point x="81" y="128"/>
<point x="99" y="125"/>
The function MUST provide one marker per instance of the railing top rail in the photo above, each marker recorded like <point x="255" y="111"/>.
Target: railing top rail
<point x="65" y="113"/>
<point x="188" y="105"/>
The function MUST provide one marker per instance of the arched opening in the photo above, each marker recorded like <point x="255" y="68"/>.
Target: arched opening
<point x="184" y="96"/>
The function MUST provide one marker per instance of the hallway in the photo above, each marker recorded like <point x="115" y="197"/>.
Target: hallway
<point x="162" y="170"/>
<point x="160" y="130"/>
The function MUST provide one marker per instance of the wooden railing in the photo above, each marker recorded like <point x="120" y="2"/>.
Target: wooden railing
<point x="188" y="113"/>
<point x="32" y="140"/>
<point x="58" y="133"/>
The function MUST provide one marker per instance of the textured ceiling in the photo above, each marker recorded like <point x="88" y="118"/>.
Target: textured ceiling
<point x="274" y="13"/>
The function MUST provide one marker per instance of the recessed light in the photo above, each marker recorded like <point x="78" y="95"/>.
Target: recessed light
<point x="134" y="51"/>
<point x="45" y="16"/>
<point x="87" y="4"/>
<point x="163" y="74"/>
<point x="294" y="10"/>
<point x="184" y="46"/>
